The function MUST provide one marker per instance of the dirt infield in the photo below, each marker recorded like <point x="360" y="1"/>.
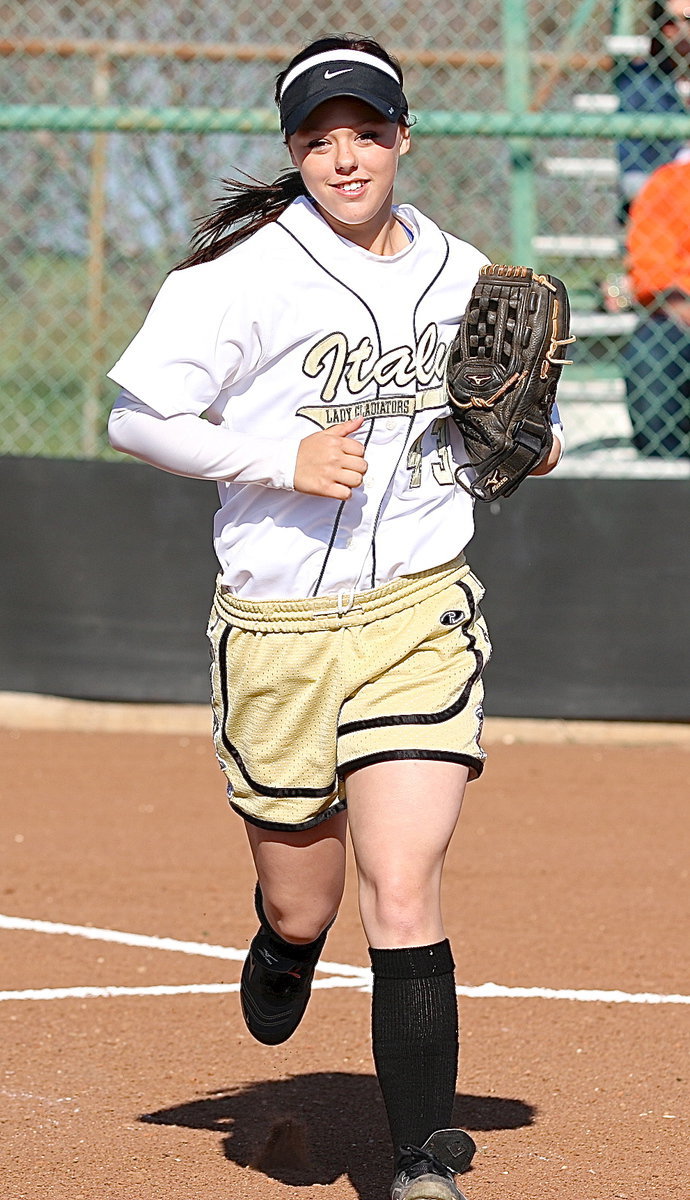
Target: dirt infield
<point x="568" y="878"/>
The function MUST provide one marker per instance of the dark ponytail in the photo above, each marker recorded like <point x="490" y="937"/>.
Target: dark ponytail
<point x="247" y="207"/>
<point x="250" y="205"/>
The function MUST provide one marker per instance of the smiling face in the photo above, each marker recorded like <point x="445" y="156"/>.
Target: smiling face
<point x="347" y="155"/>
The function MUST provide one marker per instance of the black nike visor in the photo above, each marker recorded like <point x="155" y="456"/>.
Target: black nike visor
<point x="377" y="86"/>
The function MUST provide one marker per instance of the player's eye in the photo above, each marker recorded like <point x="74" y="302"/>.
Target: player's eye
<point x="370" y="135"/>
<point x="315" y="143"/>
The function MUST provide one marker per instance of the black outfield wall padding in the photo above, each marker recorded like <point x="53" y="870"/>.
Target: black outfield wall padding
<point x="108" y="573"/>
<point x="588" y="583"/>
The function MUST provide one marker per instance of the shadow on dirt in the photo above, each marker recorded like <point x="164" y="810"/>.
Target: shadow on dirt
<point x="311" y="1129"/>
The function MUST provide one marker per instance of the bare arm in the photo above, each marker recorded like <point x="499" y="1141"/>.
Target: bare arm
<point x="552" y="459"/>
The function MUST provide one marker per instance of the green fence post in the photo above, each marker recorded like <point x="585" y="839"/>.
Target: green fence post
<point x="516" y="82"/>
<point x="94" y="375"/>
<point x="624" y="17"/>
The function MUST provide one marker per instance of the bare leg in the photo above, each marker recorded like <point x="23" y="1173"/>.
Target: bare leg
<point x="402" y="816"/>
<point x="302" y="876"/>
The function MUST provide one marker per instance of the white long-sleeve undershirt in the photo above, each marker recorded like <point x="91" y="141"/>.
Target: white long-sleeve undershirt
<point x="185" y="444"/>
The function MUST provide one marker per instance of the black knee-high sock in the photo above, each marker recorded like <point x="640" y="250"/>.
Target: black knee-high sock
<point x="415" y="1039"/>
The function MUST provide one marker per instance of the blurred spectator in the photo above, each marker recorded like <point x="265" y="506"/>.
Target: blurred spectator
<point x="656" y="361"/>
<point x="656" y="84"/>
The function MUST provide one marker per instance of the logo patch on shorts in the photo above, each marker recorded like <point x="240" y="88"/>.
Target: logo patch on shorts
<point x="452" y="617"/>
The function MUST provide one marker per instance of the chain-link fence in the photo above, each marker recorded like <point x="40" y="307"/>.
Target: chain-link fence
<point x="118" y="120"/>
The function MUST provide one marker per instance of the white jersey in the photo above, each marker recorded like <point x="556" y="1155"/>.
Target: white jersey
<point x="292" y="331"/>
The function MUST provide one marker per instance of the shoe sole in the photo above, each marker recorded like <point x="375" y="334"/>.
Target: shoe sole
<point x="430" y="1187"/>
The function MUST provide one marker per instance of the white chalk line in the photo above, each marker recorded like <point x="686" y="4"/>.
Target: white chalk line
<point x="339" y="975"/>
<point x="186" y="989"/>
<point x="205" y="949"/>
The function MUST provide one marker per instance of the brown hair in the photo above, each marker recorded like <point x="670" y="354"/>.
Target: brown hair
<point x="248" y="203"/>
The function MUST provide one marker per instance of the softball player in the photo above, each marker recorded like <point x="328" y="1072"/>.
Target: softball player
<point x="310" y="327"/>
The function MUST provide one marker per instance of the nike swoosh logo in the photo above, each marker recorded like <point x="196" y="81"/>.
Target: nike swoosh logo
<point x="332" y="74"/>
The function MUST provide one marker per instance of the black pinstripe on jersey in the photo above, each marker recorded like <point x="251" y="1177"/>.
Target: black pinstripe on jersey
<point x="415" y="334"/>
<point x="339" y="513"/>
<point x="363" y="302"/>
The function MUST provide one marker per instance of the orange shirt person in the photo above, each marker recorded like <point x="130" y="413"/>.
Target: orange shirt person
<point x="659" y="239"/>
<point x="656" y="361"/>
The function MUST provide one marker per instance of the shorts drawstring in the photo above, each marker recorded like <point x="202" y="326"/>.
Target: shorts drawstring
<point x="342" y="607"/>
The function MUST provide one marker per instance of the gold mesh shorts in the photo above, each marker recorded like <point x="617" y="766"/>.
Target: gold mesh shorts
<point x="305" y="691"/>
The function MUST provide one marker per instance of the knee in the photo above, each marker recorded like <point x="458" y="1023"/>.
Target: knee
<point x="299" y="923"/>
<point x="400" y="912"/>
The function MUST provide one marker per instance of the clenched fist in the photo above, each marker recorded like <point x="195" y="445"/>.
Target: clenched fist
<point x="330" y="463"/>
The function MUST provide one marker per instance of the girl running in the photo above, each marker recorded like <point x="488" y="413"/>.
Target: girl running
<point x="309" y="327"/>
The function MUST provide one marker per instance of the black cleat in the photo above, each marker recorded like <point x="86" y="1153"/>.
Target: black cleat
<point x="427" y="1172"/>
<point x="274" y="991"/>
